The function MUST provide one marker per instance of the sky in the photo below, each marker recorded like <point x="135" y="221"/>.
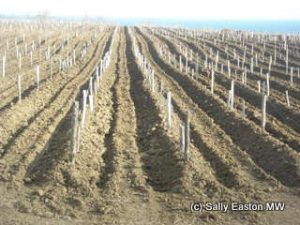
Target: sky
<point x="162" y="9"/>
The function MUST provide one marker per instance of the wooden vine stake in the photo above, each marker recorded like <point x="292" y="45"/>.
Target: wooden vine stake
<point x="287" y="98"/>
<point x="212" y="81"/>
<point x="287" y="61"/>
<point x="232" y="95"/>
<point x="84" y="98"/>
<point x="91" y="86"/>
<point x="182" y="138"/>
<point x="91" y="98"/>
<point x="270" y="64"/>
<point x="38" y="77"/>
<point x="228" y="68"/>
<point x="187" y="136"/>
<point x="264" y="106"/>
<point x="256" y="60"/>
<point x="180" y="63"/>
<point x="60" y="64"/>
<point x="268" y="84"/>
<point x="75" y="144"/>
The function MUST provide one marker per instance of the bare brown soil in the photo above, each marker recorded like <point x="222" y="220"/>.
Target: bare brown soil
<point x="130" y="169"/>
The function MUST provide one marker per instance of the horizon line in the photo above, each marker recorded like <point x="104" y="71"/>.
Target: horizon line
<point x="33" y="16"/>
